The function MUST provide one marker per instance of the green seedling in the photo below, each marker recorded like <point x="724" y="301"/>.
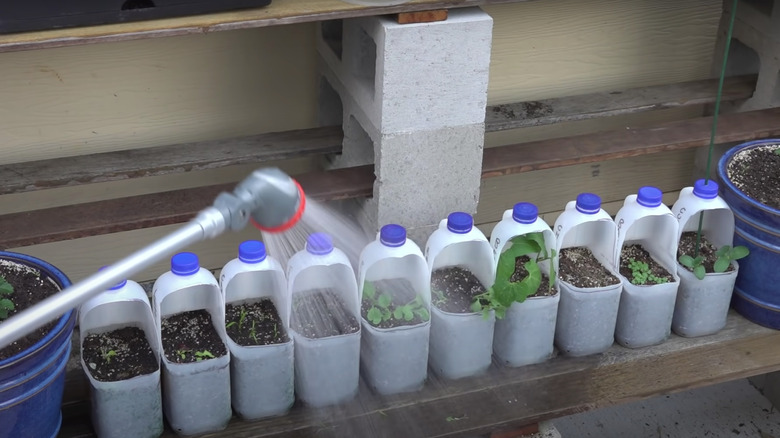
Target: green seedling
<point x="253" y="333"/>
<point x="438" y="297"/>
<point x="241" y="318"/>
<point x="383" y="309"/>
<point x="504" y="292"/>
<point x="641" y="275"/>
<point x="230" y="324"/>
<point x="108" y="355"/>
<point x="726" y="255"/>
<point x="182" y="354"/>
<point x="203" y="355"/>
<point x="777" y="151"/>
<point x="6" y="305"/>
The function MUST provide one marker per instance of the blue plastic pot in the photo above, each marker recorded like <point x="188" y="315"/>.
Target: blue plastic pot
<point x="32" y="382"/>
<point x="757" y="226"/>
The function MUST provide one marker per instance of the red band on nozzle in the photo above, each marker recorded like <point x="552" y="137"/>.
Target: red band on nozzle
<point x="293" y="220"/>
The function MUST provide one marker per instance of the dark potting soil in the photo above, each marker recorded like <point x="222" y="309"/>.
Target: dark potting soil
<point x="687" y="246"/>
<point x="637" y="253"/>
<point x="580" y="268"/>
<point x="756" y="172"/>
<point x="520" y="273"/>
<point x="118" y="355"/>
<point x="255" y="323"/>
<point x="402" y="293"/>
<point x="30" y="287"/>
<point x="320" y="313"/>
<point x="453" y="289"/>
<point x="191" y="337"/>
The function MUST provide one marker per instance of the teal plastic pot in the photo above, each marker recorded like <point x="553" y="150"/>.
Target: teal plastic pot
<point x="756" y="226"/>
<point x="32" y="382"/>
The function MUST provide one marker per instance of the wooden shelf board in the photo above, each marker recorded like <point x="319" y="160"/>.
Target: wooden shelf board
<point x="124" y="214"/>
<point x="507" y="397"/>
<point x="161" y="160"/>
<point x="279" y="12"/>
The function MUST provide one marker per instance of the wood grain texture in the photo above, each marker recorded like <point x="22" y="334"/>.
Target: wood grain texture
<point x="422" y="16"/>
<point x="507" y="397"/>
<point x="277" y="13"/>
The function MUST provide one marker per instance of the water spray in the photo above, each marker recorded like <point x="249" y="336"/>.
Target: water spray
<point x="269" y="198"/>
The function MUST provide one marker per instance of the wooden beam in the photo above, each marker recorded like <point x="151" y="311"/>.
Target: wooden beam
<point x="512" y="397"/>
<point x="422" y="16"/>
<point x="125" y="214"/>
<point x="119" y="165"/>
<point x="279" y="12"/>
<point x="162" y="160"/>
<point x="614" y="103"/>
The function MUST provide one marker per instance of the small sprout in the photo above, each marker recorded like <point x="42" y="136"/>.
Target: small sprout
<point x="253" y="333"/>
<point x="640" y="271"/>
<point x="726" y="255"/>
<point x="182" y="354"/>
<point x="776" y="151"/>
<point x="6" y="305"/>
<point x="383" y="309"/>
<point x="241" y="318"/>
<point x="456" y="418"/>
<point x="107" y="355"/>
<point x="202" y="355"/>
<point x="230" y="324"/>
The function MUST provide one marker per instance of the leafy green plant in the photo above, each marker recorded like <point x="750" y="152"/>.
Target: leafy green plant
<point x="383" y="309"/>
<point x="203" y="355"/>
<point x="108" y="355"/>
<point x="504" y="292"/>
<point x="6" y="305"/>
<point x="726" y="255"/>
<point x="641" y="274"/>
<point x="182" y="354"/>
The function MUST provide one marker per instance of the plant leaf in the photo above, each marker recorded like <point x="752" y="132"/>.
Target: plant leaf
<point x="6" y="288"/>
<point x="721" y="264"/>
<point x="538" y="238"/>
<point x="369" y="291"/>
<point x="686" y="261"/>
<point x="722" y="251"/>
<point x="386" y="314"/>
<point x="739" y="252"/>
<point x="500" y="312"/>
<point x="424" y="315"/>
<point x="476" y="306"/>
<point x="503" y="294"/>
<point x="408" y="314"/>
<point x="398" y="313"/>
<point x="384" y="300"/>
<point x="374" y="315"/>
<point x="699" y="272"/>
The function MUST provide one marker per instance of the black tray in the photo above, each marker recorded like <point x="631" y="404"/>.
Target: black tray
<point x="29" y="15"/>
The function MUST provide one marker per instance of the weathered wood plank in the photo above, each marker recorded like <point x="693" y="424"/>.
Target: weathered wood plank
<point x="589" y="106"/>
<point x="161" y="160"/>
<point x="589" y="148"/>
<point x="507" y="397"/>
<point x="277" y="13"/>
<point x="158" y="209"/>
<point x="422" y="16"/>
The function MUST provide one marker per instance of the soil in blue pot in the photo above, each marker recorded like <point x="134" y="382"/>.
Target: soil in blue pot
<point x="756" y="172"/>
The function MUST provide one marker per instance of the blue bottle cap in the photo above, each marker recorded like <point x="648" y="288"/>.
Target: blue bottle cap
<point x="708" y="190"/>
<point x="649" y="196"/>
<point x="185" y="263"/>
<point x="119" y="285"/>
<point x="392" y="235"/>
<point x="525" y="213"/>
<point x="460" y="222"/>
<point x="588" y="203"/>
<point x="251" y="251"/>
<point x="319" y="244"/>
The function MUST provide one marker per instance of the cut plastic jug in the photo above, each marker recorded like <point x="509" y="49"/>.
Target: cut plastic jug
<point x="130" y="407"/>
<point x="512" y="344"/>
<point x="261" y="376"/>
<point x="461" y="344"/>
<point x="196" y="395"/>
<point x="587" y="316"/>
<point x="645" y="315"/>
<point x="395" y="359"/>
<point x="326" y="368"/>
<point x="703" y="305"/>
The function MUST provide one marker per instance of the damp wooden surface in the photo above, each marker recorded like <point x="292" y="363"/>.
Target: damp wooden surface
<point x="163" y="160"/>
<point x="507" y="397"/>
<point x="279" y="12"/>
<point x="157" y="209"/>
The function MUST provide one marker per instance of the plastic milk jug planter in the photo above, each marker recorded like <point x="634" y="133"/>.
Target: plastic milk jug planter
<point x="526" y="333"/>
<point x="703" y="305"/>
<point x="32" y="382"/>
<point x="395" y="359"/>
<point x="130" y="407"/>
<point x="587" y="316"/>
<point x="326" y="369"/>
<point x="757" y="227"/>
<point x="196" y="396"/>
<point x="645" y="315"/>
<point x="261" y="376"/>
<point x="461" y="344"/>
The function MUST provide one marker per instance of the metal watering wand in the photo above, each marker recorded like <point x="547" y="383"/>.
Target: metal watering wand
<point x="269" y="198"/>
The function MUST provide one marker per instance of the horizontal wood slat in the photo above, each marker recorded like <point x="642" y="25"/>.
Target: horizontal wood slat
<point x="614" y="103"/>
<point x="279" y="12"/>
<point x="161" y="160"/>
<point x="506" y="397"/>
<point x="124" y="214"/>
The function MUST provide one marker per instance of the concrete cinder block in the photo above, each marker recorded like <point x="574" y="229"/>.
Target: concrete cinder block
<point x="414" y="77"/>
